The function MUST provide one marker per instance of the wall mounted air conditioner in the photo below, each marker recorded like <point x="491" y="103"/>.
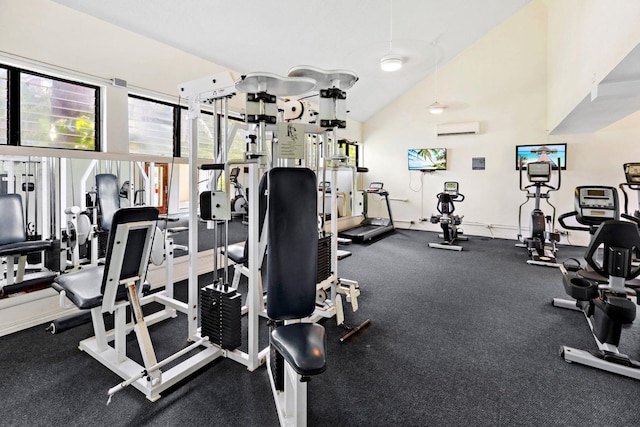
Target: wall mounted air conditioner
<point x="465" y="128"/>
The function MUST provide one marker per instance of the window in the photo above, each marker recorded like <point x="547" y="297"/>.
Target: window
<point x="205" y="134"/>
<point x="237" y="145"/>
<point x="4" y="79"/>
<point x="151" y="127"/>
<point x="350" y="150"/>
<point x="43" y="111"/>
<point x="162" y="129"/>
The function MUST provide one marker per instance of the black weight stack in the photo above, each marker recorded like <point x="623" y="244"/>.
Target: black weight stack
<point x="220" y="313"/>
<point x="324" y="258"/>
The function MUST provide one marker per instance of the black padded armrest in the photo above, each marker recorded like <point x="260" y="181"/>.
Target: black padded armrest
<point x="22" y="248"/>
<point x="302" y="345"/>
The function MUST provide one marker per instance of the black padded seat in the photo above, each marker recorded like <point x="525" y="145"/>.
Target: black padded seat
<point x="82" y="287"/>
<point x="302" y="345"/>
<point x="237" y="253"/>
<point x="592" y="275"/>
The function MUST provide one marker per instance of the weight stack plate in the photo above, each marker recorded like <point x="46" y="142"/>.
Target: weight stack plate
<point x="324" y="258"/>
<point x="277" y="368"/>
<point x="220" y="314"/>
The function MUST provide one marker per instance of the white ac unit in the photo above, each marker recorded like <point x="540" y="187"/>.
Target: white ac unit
<point x="465" y="128"/>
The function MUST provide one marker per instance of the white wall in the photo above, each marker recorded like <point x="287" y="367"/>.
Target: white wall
<point x="500" y="81"/>
<point x="587" y="39"/>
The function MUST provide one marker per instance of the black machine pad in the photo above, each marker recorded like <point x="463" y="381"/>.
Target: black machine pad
<point x="85" y="287"/>
<point x="302" y="345"/>
<point x="13" y="238"/>
<point x="293" y="243"/>
<point x="292" y="268"/>
<point x="108" y="198"/>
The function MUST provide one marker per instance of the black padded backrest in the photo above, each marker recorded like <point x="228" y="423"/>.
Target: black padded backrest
<point x="292" y="261"/>
<point x="135" y="244"/>
<point x="262" y="211"/>
<point x="12" y="228"/>
<point x="619" y="235"/>
<point x="108" y="198"/>
<point x="445" y="203"/>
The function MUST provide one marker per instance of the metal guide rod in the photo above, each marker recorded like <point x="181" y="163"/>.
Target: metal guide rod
<point x="224" y="152"/>
<point x="214" y="187"/>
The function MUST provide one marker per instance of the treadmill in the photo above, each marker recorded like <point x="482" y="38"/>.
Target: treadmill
<point x="371" y="227"/>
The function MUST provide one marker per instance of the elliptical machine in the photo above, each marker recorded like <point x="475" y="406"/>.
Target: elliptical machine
<point x="632" y="175"/>
<point x="541" y="244"/>
<point x="239" y="204"/>
<point x="448" y="221"/>
<point x="603" y="292"/>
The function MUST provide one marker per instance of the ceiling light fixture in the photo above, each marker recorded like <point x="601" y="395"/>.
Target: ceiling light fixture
<point x="391" y="62"/>
<point x="436" y="107"/>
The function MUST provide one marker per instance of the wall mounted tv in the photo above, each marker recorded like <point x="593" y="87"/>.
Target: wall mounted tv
<point x="424" y="159"/>
<point x="548" y="152"/>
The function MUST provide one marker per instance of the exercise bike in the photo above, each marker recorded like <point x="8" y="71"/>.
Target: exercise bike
<point x="541" y="244"/>
<point x="447" y="220"/>
<point x="606" y="291"/>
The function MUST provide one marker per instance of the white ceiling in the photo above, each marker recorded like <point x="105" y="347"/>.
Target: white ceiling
<point x="275" y="35"/>
<point x="614" y="98"/>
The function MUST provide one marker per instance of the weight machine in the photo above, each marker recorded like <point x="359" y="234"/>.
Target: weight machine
<point x="24" y="185"/>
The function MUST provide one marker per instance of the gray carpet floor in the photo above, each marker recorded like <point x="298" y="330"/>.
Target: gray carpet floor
<point x="456" y="339"/>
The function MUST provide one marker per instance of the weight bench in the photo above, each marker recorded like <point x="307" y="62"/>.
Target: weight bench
<point x="14" y="243"/>
<point x="297" y="349"/>
<point x="113" y="287"/>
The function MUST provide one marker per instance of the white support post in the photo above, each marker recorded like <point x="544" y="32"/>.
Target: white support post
<point x="83" y="184"/>
<point x="147" y="184"/>
<point x="253" y="296"/>
<point x="192" y="315"/>
<point x="120" y="333"/>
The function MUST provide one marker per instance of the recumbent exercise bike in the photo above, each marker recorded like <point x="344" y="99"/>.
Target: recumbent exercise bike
<point x="605" y="291"/>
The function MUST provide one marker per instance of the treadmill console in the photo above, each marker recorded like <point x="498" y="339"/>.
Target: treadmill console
<point x="325" y="186"/>
<point x="375" y="187"/>
<point x="595" y="204"/>
<point x="539" y="171"/>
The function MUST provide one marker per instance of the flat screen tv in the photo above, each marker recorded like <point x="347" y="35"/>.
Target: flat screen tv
<point x="424" y="159"/>
<point x="547" y="152"/>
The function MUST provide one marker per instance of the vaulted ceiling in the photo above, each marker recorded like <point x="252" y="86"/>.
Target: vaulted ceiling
<point x="275" y="35"/>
